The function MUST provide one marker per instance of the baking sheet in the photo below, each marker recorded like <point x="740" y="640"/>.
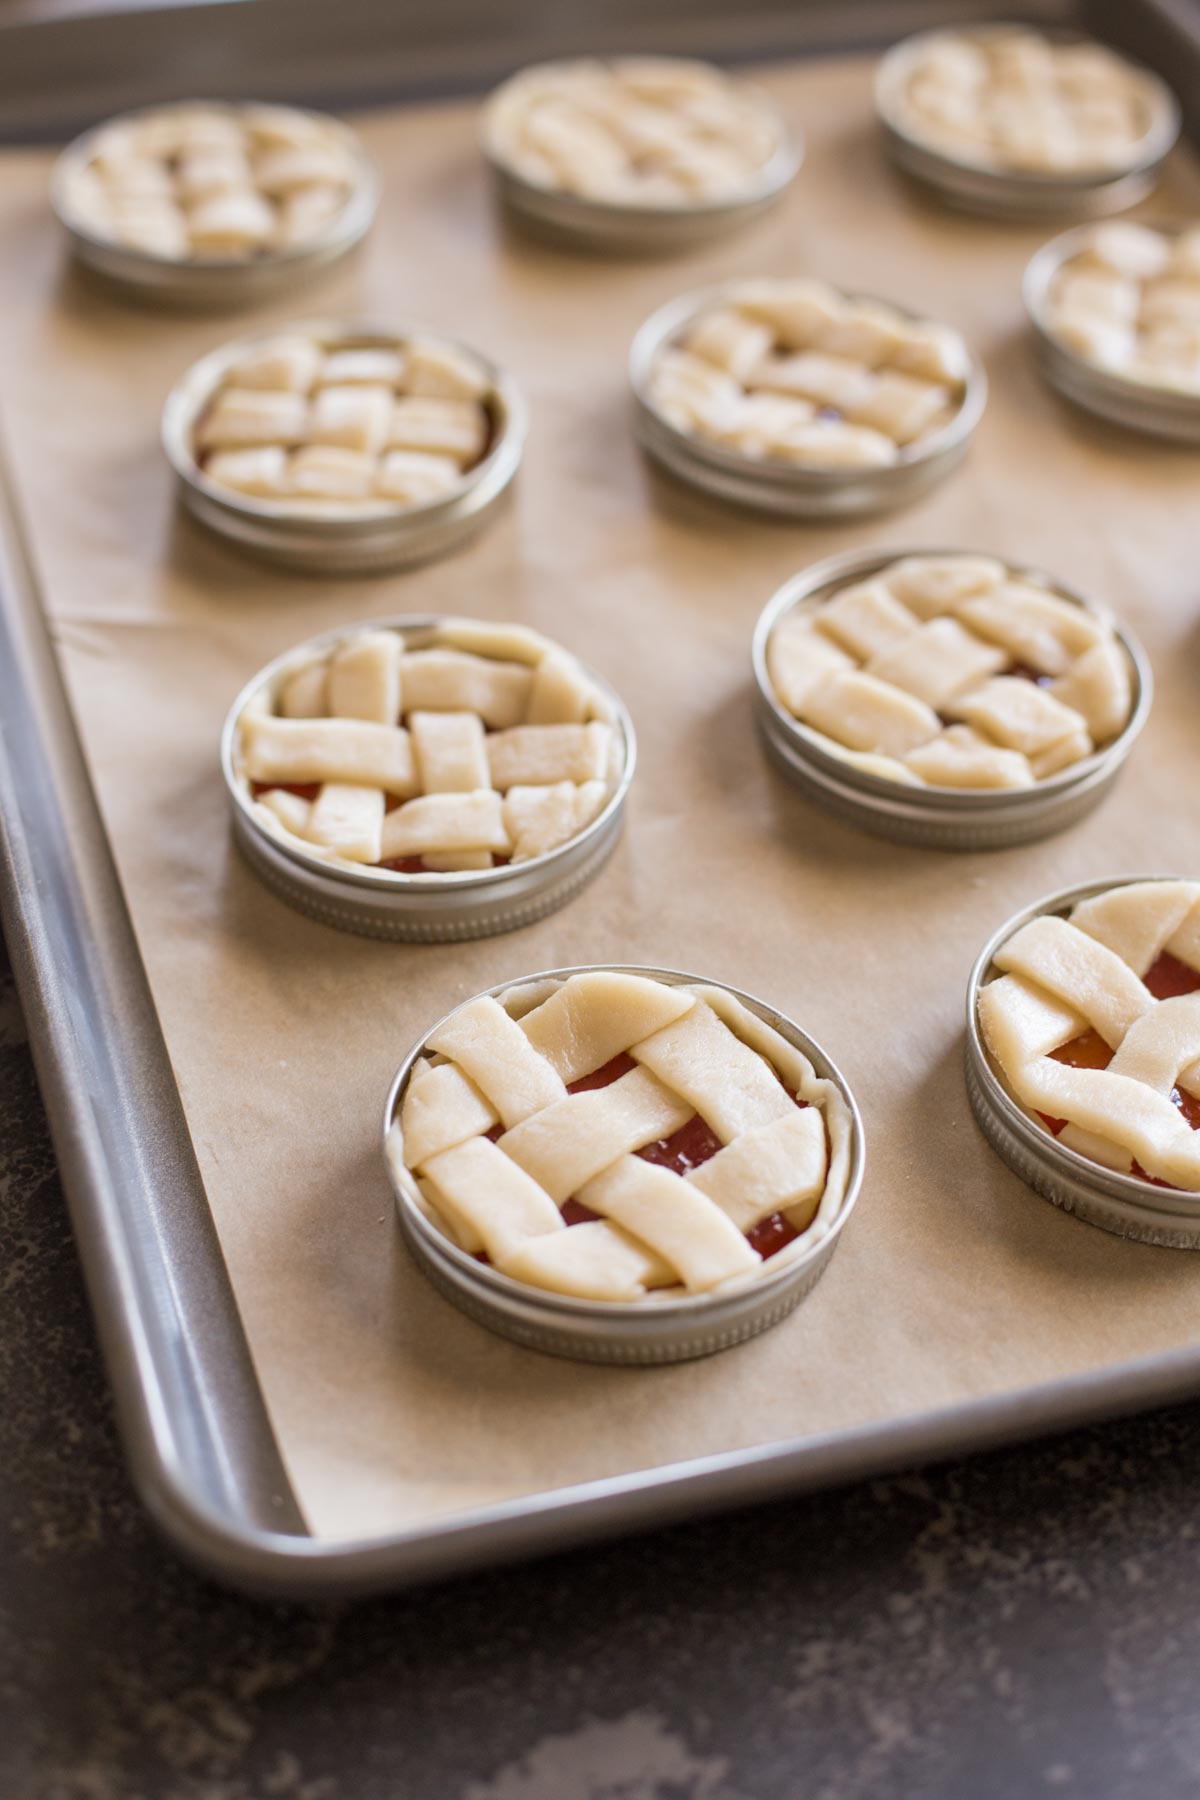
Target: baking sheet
<point x="953" y="1281"/>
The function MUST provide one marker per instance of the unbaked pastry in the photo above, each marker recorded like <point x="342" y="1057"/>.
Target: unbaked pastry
<point x="640" y="131"/>
<point x="1094" y="1023"/>
<point x="344" y="424"/>
<point x="203" y="183"/>
<point x="1129" y="301"/>
<point x="615" y="1138"/>
<point x="1009" y="98"/>
<point x="952" y="671"/>
<point x="462" y="747"/>
<point x="795" y="372"/>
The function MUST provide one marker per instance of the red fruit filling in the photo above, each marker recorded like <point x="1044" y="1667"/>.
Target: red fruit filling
<point x="416" y="865"/>
<point x="304" y="790"/>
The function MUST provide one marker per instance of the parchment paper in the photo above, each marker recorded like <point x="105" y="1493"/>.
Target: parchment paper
<point x="953" y="1280"/>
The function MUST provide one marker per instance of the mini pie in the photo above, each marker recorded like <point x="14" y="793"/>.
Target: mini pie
<point x="640" y="131"/>
<point x="1011" y="99"/>
<point x="454" y="748"/>
<point x="795" y="372"/>
<point x="198" y="183"/>
<point x="1093" y="1021"/>
<point x="954" y="672"/>
<point x="614" y="1138"/>
<point x="1128" y="300"/>
<point x="346" y="424"/>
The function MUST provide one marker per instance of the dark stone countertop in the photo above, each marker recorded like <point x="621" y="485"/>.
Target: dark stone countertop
<point x="1018" y="1624"/>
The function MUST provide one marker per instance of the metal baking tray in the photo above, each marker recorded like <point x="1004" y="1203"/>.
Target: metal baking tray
<point x="196" y="1430"/>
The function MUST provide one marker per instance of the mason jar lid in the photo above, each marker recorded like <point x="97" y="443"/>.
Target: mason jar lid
<point x="417" y="907"/>
<point x="939" y="817"/>
<point x="1015" y="193"/>
<point x="662" y="1328"/>
<point x="216" y="282"/>
<point x="352" y="539"/>
<point x="1142" y="406"/>
<point x="789" y="490"/>
<point x="615" y="228"/>
<point x="1141" y="1210"/>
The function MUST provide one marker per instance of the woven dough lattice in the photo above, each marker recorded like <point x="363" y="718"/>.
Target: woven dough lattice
<point x="1094" y="1021"/>
<point x="1129" y="301"/>
<point x="1016" y="100"/>
<point x="621" y="1136"/>
<point x="344" y="426"/>
<point x="642" y="131"/>
<point x="799" y="373"/>
<point x="453" y="748"/>
<point x="196" y="183"/>
<point x="952" y="671"/>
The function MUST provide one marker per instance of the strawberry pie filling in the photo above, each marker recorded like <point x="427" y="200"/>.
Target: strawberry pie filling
<point x="303" y="790"/>
<point x="416" y="865"/>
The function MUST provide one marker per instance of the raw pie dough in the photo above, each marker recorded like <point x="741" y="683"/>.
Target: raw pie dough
<point x="793" y="371"/>
<point x="447" y="749"/>
<point x="196" y="183"/>
<point x="642" y="131"/>
<point x="952" y="671"/>
<point x="498" y="1144"/>
<point x="346" y="424"/>
<point x="1129" y="301"/>
<point x="1059" y="979"/>
<point x="1013" y="99"/>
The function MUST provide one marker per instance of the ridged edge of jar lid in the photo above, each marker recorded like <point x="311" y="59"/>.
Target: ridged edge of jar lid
<point x="597" y="1331"/>
<point x="785" y="489"/>
<point x="523" y="1325"/>
<point x="354" y="542"/>
<point x="1118" y="399"/>
<point x="607" y="227"/>
<point x="216" y="282"/>
<point x="1008" y="193"/>
<point x="444" y="908"/>
<point x="941" y="818"/>
<point x="478" y="915"/>
<point x="1119" y="1203"/>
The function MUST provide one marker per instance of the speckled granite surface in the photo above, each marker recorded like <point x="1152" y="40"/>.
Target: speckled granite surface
<point x="1021" y="1624"/>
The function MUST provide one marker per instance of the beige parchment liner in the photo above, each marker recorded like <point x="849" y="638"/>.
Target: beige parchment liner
<point x="953" y="1280"/>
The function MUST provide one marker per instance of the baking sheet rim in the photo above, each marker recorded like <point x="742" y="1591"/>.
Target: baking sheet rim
<point x="231" y="1546"/>
<point x="300" y="1568"/>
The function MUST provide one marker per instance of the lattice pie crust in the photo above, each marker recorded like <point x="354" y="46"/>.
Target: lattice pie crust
<point x="1013" y="99"/>
<point x="1085" y="990"/>
<point x="345" y="424"/>
<point x="1129" y="301"/>
<point x="644" y="131"/>
<point x="952" y="671"/>
<point x="451" y="749"/>
<point x="511" y="1138"/>
<point x="793" y="371"/>
<point x="202" y="183"/>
